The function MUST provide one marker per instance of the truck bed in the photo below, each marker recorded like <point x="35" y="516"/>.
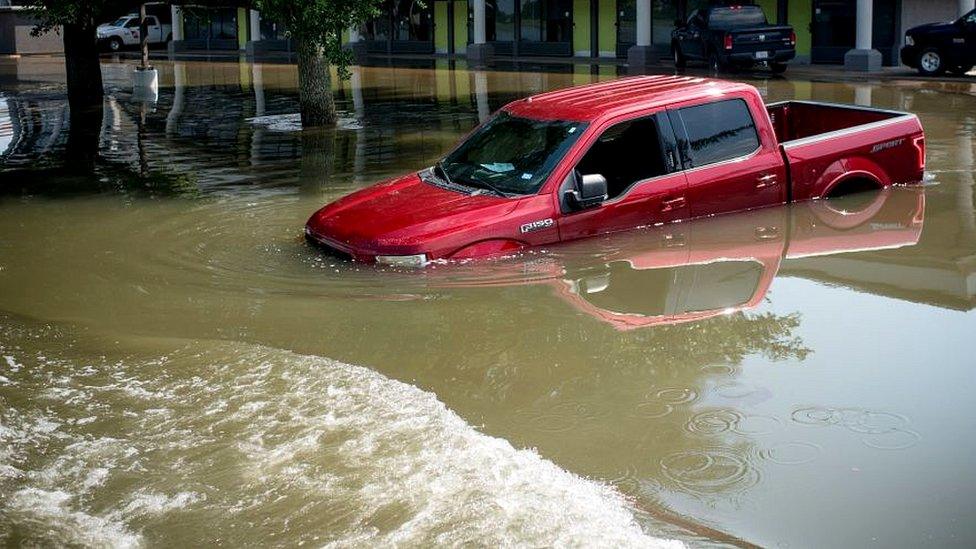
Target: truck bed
<point x="821" y="142"/>
<point x="793" y="120"/>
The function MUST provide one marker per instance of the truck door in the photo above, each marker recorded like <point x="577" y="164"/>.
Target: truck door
<point x="730" y="166"/>
<point x="645" y="184"/>
<point x="153" y="29"/>
<point x="969" y="32"/>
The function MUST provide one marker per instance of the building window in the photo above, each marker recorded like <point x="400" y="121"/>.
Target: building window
<point x="214" y="24"/>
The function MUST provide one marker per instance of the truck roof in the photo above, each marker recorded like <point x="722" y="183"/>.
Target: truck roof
<point x="592" y="101"/>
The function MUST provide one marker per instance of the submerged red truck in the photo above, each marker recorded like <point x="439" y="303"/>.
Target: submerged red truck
<point x="616" y="155"/>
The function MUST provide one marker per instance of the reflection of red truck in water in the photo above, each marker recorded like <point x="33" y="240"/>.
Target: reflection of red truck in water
<point x="691" y="271"/>
<point x="616" y="155"/>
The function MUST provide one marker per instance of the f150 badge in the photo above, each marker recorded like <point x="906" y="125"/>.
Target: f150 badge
<point x="538" y="225"/>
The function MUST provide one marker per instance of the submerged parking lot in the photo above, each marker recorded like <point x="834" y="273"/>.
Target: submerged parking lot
<point x="178" y="366"/>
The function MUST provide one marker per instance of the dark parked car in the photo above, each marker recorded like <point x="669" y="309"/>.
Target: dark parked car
<point x="730" y="37"/>
<point x="939" y="47"/>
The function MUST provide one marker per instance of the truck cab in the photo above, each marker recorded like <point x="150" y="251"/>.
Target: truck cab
<point x="731" y="37"/>
<point x="939" y="47"/>
<point x="617" y="155"/>
<point x="124" y="31"/>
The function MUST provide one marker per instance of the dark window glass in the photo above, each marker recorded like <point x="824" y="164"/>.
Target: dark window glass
<point x="132" y="23"/>
<point x="722" y="285"/>
<point x="738" y="17"/>
<point x="625" y="290"/>
<point x="718" y="131"/>
<point x="412" y="20"/>
<point x="625" y="154"/>
<point x="512" y="154"/>
<point x="546" y="20"/>
<point x="656" y="292"/>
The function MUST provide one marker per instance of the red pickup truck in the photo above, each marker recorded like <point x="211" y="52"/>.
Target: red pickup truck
<point x="616" y="155"/>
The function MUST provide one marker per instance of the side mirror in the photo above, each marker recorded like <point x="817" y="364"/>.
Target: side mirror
<point x="589" y="190"/>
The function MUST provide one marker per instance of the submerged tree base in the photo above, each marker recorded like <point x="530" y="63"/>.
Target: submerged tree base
<point x="314" y="87"/>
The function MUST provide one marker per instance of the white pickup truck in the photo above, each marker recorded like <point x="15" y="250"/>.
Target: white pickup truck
<point x="124" y="31"/>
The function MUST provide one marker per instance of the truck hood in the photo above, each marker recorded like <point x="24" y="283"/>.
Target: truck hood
<point x="932" y="27"/>
<point x="402" y="215"/>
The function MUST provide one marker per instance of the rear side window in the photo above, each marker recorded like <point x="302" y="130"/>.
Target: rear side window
<point x="736" y="17"/>
<point x="718" y="131"/>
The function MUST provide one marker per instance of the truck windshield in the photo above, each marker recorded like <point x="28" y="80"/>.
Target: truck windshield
<point x="511" y="154"/>
<point x="736" y="17"/>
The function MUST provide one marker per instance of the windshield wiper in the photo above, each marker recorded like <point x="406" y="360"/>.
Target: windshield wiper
<point x="439" y="166"/>
<point x="488" y="187"/>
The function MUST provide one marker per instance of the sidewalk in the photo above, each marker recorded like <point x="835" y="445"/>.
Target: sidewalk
<point x="834" y="73"/>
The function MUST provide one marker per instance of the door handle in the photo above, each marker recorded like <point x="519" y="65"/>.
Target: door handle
<point x="672" y="203"/>
<point x="767" y="233"/>
<point x="672" y="240"/>
<point x="766" y="180"/>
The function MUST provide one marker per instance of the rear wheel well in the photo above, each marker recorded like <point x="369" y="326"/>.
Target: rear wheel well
<point x="852" y="186"/>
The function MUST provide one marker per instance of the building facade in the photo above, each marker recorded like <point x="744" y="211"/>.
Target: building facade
<point x="511" y="29"/>
<point x="826" y="29"/>
<point x="16" y="24"/>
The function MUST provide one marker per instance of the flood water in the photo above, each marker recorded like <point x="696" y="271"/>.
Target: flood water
<point x="178" y="367"/>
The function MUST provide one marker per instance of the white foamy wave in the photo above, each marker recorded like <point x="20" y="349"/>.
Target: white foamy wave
<point x="231" y="443"/>
<point x="293" y="122"/>
<point x="49" y="516"/>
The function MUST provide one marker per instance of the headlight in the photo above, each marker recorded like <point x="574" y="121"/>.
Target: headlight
<point x="418" y="260"/>
<point x="909" y="41"/>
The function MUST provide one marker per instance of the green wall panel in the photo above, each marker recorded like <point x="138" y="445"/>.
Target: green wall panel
<point x="769" y="8"/>
<point x="440" y="27"/>
<point x="581" y="27"/>
<point x="800" y="16"/>
<point x="460" y="26"/>
<point x="242" y="25"/>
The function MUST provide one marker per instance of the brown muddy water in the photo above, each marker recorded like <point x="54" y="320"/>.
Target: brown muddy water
<point x="177" y="367"/>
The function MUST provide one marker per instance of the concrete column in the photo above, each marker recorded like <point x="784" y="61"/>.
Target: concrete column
<point x="358" y="107"/>
<point x="642" y="55"/>
<point x="479" y="21"/>
<point x="863" y="57"/>
<point x="862" y="95"/>
<point x="964" y="192"/>
<point x="179" y="99"/>
<point x="176" y="44"/>
<point x="480" y="52"/>
<point x="176" y="14"/>
<point x="356" y="45"/>
<point x="255" y="24"/>
<point x="643" y="22"/>
<point x="481" y="95"/>
<point x="257" y="80"/>
<point x="966" y="6"/>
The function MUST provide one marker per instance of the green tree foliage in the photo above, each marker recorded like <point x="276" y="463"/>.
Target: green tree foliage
<point x="316" y="26"/>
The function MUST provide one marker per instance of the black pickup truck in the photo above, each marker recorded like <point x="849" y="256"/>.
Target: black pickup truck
<point x="939" y="47"/>
<point x="731" y="37"/>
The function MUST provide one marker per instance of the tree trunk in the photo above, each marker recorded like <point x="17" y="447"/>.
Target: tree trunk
<point x="84" y="76"/>
<point x="314" y="86"/>
<point x="82" y="67"/>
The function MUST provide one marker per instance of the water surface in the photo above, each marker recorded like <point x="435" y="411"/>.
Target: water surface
<point x="179" y="367"/>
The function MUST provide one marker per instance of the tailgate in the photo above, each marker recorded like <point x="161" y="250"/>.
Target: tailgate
<point x="761" y="39"/>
